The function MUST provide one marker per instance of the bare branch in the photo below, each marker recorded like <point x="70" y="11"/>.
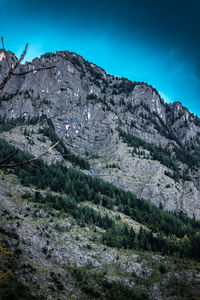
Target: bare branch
<point x="12" y="69"/>
<point x="22" y="55"/>
<point x="30" y="160"/>
<point x="8" y="158"/>
<point x="11" y="73"/>
<point x="5" y="52"/>
<point x="2" y="43"/>
<point x="60" y="154"/>
<point x="35" y="166"/>
<point x="30" y="71"/>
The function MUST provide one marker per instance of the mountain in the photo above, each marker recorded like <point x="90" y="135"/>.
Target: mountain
<point x="111" y="212"/>
<point x="104" y="112"/>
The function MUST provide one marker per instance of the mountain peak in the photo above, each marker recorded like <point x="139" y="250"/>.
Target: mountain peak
<point x="96" y="105"/>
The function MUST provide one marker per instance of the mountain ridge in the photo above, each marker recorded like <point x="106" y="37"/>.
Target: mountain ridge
<point x="97" y="105"/>
<point x="104" y="214"/>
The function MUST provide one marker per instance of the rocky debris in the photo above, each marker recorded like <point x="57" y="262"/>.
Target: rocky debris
<point x="49" y="247"/>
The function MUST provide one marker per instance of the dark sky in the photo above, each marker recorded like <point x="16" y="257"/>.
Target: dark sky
<point x="147" y="40"/>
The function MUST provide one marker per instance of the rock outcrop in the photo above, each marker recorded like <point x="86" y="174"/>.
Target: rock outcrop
<point x="97" y="105"/>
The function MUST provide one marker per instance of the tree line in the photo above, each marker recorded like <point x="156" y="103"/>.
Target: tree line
<point x="168" y="231"/>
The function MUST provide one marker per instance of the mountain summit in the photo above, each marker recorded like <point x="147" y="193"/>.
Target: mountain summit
<point x="111" y="212"/>
<point x="126" y="131"/>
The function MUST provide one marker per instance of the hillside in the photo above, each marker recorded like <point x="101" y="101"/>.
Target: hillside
<point x="98" y="106"/>
<point x="112" y="211"/>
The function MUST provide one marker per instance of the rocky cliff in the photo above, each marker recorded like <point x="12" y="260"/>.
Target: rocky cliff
<point x="126" y="131"/>
<point x="65" y="233"/>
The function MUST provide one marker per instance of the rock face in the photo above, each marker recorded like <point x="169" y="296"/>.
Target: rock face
<point x="96" y="105"/>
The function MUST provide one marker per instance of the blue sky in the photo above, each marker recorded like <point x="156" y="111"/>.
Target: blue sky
<point x="155" y="41"/>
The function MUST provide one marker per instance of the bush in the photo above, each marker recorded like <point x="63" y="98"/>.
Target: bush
<point x="162" y="269"/>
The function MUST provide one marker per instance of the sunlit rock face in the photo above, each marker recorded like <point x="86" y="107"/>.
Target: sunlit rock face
<point x="95" y="104"/>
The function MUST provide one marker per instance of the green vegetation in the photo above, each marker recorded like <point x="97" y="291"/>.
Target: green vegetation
<point x="83" y="214"/>
<point x="9" y="287"/>
<point x="157" y="153"/>
<point x="49" y="131"/>
<point x="7" y="124"/>
<point x="16" y="291"/>
<point x="66" y="153"/>
<point x="168" y="233"/>
<point x="167" y="158"/>
<point x="125" y="86"/>
<point x="97" y="286"/>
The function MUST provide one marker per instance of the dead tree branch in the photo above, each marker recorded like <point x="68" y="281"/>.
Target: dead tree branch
<point x="2" y="165"/>
<point x="8" y="158"/>
<point x="30" y="71"/>
<point x="5" y="52"/>
<point x="12" y="69"/>
<point x="11" y="72"/>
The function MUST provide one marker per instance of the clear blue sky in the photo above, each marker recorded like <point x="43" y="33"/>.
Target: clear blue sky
<point x="155" y="41"/>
